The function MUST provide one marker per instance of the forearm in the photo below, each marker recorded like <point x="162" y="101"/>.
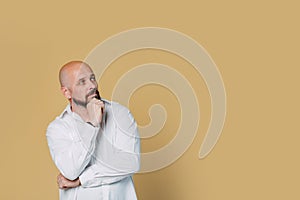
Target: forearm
<point x="102" y="174"/>
<point x="112" y="166"/>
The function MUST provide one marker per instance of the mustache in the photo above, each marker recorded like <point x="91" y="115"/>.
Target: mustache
<point x="93" y="91"/>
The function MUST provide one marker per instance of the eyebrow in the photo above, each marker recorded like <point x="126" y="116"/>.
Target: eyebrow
<point x="92" y="75"/>
<point x="81" y="79"/>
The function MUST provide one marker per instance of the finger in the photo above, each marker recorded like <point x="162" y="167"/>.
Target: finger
<point x="99" y="102"/>
<point x="58" y="178"/>
<point x="93" y="101"/>
<point x="59" y="185"/>
<point x="62" y="184"/>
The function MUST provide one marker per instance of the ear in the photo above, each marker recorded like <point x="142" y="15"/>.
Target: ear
<point x="66" y="92"/>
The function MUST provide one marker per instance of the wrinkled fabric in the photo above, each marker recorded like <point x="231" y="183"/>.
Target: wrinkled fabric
<point x="104" y="158"/>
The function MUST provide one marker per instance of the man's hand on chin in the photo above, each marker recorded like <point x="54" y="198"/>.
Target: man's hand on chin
<point x="95" y="111"/>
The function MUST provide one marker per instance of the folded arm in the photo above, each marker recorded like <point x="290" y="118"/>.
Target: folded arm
<point x="71" y="148"/>
<point x="122" y="152"/>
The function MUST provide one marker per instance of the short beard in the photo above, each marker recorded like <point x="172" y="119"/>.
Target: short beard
<point x="84" y="103"/>
<point x="80" y="103"/>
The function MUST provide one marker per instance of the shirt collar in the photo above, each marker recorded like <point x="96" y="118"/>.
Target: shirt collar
<point x="66" y="110"/>
<point x="106" y="101"/>
<point x="69" y="111"/>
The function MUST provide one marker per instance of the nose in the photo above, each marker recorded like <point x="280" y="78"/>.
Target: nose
<point x="93" y="84"/>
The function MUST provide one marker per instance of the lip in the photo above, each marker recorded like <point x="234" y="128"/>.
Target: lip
<point x="93" y="95"/>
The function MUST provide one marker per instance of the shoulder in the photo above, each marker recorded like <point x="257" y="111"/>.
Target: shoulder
<point x="58" y="121"/>
<point x="123" y="119"/>
<point x="121" y="113"/>
<point x="119" y="109"/>
<point x="57" y="125"/>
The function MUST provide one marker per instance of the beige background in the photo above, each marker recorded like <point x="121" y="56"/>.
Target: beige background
<point x="255" y="45"/>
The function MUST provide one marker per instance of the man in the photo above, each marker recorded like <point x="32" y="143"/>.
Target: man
<point x="94" y="143"/>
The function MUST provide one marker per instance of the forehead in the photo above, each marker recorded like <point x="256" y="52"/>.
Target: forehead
<point x="82" y="72"/>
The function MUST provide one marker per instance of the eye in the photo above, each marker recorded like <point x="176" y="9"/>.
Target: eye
<point x="93" y="78"/>
<point x="81" y="82"/>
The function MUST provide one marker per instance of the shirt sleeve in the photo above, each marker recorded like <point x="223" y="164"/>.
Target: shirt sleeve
<point x="71" y="147"/>
<point x="118" y="157"/>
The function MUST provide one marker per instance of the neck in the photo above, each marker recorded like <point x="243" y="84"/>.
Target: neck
<point x="80" y="110"/>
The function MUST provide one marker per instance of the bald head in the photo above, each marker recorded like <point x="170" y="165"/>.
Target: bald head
<point x="69" y="71"/>
<point x="78" y="82"/>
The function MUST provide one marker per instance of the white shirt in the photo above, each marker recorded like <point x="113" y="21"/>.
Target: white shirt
<point x="103" y="158"/>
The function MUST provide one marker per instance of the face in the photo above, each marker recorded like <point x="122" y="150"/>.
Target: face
<point x="84" y="86"/>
